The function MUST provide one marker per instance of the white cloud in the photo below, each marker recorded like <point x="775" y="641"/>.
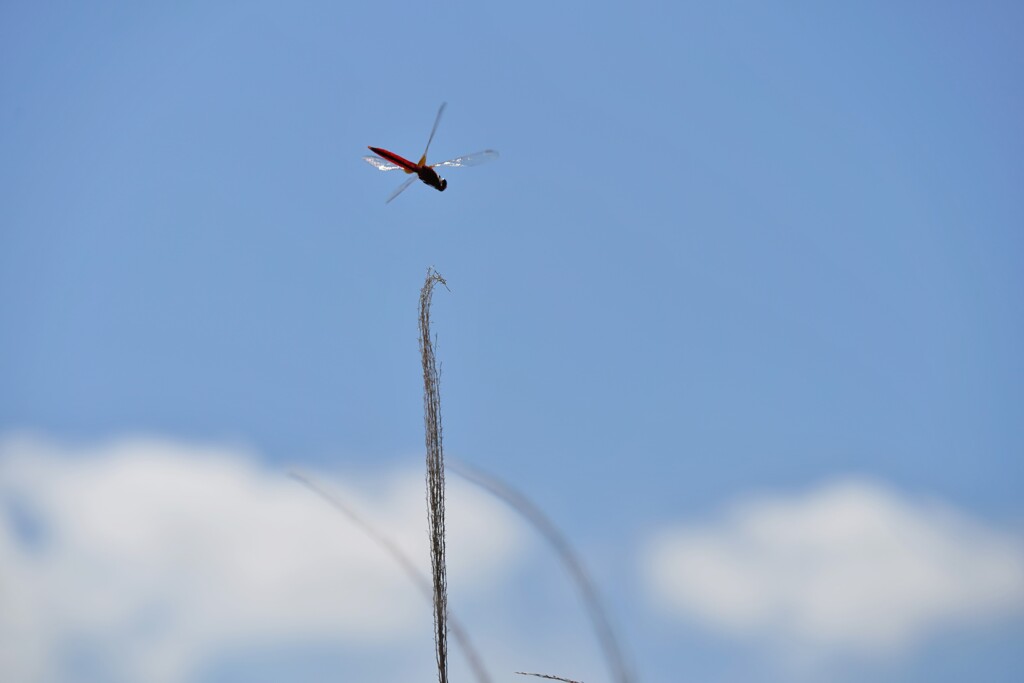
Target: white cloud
<point x="851" y="567"/>
<point x="153" y="555"/>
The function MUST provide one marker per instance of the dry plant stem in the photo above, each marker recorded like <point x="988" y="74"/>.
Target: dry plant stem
<point x="407" y="565"/>
<point x="548" y="676"/>
<point x="598" y="616"/>
<point x="435" y="475"/>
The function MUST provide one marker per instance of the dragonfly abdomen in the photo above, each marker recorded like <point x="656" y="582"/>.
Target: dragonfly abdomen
<point x="406" y="165"/>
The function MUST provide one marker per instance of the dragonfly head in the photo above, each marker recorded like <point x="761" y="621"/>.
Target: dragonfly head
<point x="443" y="185"/>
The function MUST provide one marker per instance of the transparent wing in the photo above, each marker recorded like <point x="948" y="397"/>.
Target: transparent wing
<point x="434" y="130"/>
<point x="381" y="164"/>
<point x="401" y="188"/>
<point x="474" y="159"/>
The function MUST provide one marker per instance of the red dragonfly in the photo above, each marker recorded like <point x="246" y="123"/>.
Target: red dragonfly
<point x="389" y="161"/>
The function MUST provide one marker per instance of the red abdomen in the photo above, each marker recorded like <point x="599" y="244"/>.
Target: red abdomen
<point x="395" y="159"/>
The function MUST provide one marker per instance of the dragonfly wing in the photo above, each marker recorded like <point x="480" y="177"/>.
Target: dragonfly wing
<point x="401" y="188"/>
<point x="381" y="164"/>
<point x="474" y="159"/>
<point x="437" y="121"/>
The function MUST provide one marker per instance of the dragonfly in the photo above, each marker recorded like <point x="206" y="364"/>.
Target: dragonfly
<point x="389" y="161"/>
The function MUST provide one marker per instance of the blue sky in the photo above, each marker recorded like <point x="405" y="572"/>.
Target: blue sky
<point x="729" y="254"/>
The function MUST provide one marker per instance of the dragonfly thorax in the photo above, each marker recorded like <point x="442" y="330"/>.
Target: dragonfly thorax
<point x="430" y="177"/>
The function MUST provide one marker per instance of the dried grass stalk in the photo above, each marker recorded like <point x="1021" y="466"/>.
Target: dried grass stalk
<point x="548" y="676"/>
<point x="435" y="475"/>
<point x="598" y="617"/>
<point x="407" y="565"/>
